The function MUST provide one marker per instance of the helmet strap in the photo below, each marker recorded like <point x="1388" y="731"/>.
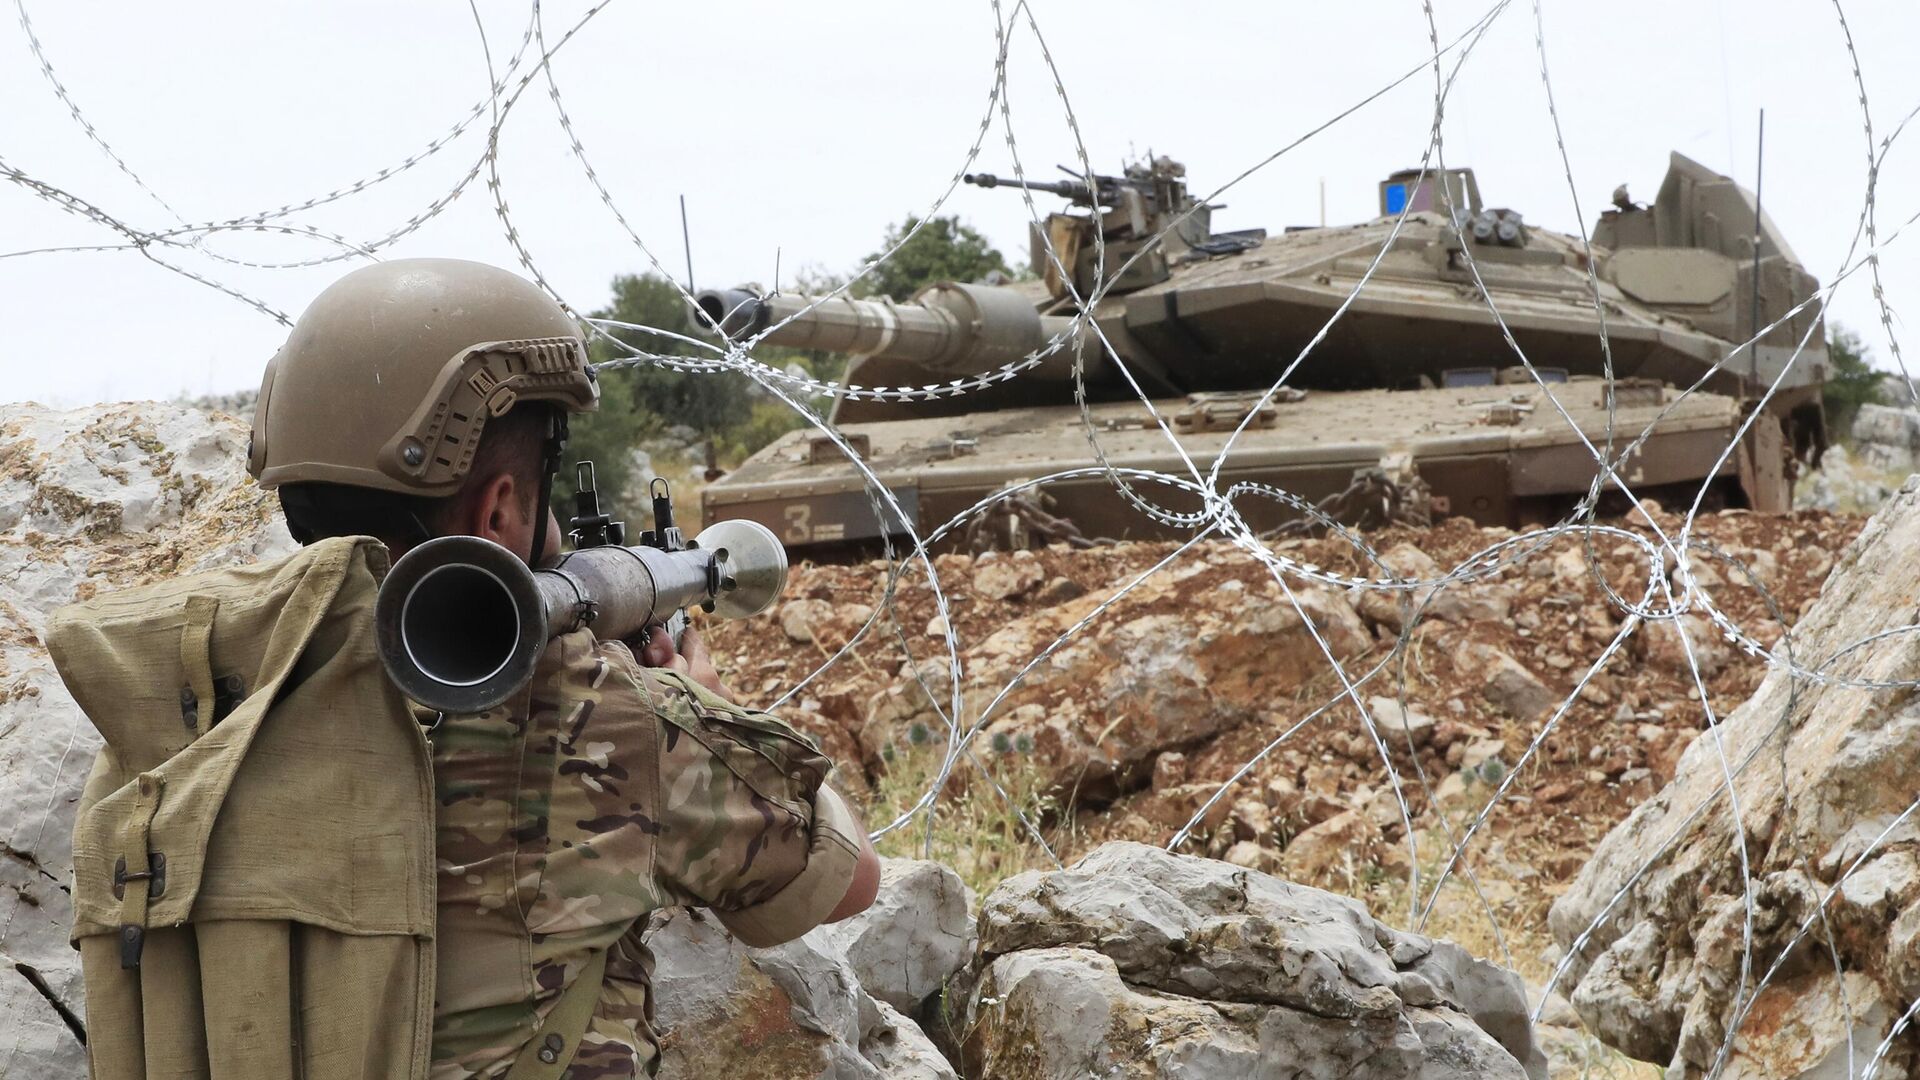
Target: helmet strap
<point x="550" y="454"/>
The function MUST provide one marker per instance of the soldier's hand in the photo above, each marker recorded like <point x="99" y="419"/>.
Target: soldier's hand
<point x="690" y="660"/>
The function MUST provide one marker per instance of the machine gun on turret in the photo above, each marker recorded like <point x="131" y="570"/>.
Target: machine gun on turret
<point x="1100" y="193"/>
<point x="1148" y="200"/>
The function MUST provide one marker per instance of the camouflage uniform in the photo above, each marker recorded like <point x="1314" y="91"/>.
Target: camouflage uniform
<point x="602" y="793"/>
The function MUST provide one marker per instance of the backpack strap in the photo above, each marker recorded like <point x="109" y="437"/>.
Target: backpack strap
<point x="557" y="1038"/>
<point x="196" y="660"/>
<point x="140" y="874"/>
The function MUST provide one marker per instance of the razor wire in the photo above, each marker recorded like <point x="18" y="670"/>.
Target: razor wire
<point x="1671" y="590"/>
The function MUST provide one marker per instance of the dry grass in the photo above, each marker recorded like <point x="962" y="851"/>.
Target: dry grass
<point x="975" y="830"/>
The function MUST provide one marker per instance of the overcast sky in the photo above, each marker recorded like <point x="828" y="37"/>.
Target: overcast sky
<point x="805" y="129"/>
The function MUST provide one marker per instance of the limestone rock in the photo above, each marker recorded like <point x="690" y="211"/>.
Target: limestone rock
<point x="1253" y="856"/>
<point x="1845" y="485"/>
<point x="1390" y="607"/>
<point x="1514" y="689"/>
<point x="1659" y="644"/>
<point x="1459" y="602"/>
<point x="1801" y="1028"/>
<point x="1006" y="578"/>
<point x="1169" y="771"/>
<point x="1480" y="751"/>
<point x="1059" y="590"/>
<point x="849" y="618"/>
<point x="1821" y="769"/>
<point x="95" y="498"/>
<point x="1174" y="806"/>
<point x="1887" y="439"/>
<point x="899" y="1050"/>
<point x="1398" y="721"/>
<point x="1140" y="963"/>
<point x="1346" y="841"/>
<point x="918" y="932"/>
<point x="792" y="1012"/>
<point x="806" y="620"/>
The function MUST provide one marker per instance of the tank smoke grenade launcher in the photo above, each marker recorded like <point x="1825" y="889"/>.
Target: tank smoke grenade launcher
<point x="462" y="621"/>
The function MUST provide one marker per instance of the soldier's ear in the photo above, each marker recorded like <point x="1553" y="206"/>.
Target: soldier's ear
<point x="496" y="510"/>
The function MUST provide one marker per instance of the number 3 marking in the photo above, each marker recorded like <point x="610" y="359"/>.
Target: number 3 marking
<point x="799" y="530"/>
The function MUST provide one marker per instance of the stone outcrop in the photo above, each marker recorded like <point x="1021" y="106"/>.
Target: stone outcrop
<point x="834" y="1004"/>
<point x="918" y="932"/>
<point x="93" y="498"/>
<point x="1887" y="438"/>
<point x="1672" y="970"/>
<point x="1140" y="963"/>
<point x="1846" y="484"/>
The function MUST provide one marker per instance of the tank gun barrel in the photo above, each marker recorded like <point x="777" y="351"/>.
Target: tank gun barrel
<point x="1076" y="190"/>
<point x="948" y="328"/>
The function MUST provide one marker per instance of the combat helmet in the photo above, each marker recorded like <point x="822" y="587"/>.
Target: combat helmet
<point x="391" y="374"/>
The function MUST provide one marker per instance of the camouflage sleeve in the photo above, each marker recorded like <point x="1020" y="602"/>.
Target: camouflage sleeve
<point x="748" y="827"/>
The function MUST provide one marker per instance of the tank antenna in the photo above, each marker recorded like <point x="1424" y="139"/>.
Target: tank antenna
<point x="1759" y="165"/>
<point x="686" y="239"/>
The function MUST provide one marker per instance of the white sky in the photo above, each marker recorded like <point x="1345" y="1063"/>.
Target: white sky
<point x="808" y="128"/>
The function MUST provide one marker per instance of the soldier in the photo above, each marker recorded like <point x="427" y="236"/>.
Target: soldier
<point x="625" y="779"/>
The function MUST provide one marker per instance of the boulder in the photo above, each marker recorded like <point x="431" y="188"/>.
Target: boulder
<point x="1664" y="961"/>
<point x="918" y="932"/>
<point x="1887" y="438"/>
<point x="1137" y="962"/>
<point x="95" y="498"/>
<point x="836" y="1003"/>
<point x="793" y="1012"/>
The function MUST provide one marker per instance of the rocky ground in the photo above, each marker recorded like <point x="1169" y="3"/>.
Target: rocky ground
<point x="1223" y="667"/>
<point x="1132" y="727"/>
<point x="1122" y="733"/>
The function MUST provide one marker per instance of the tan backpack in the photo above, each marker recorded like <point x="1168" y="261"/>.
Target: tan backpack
<point x="253" y="855"/>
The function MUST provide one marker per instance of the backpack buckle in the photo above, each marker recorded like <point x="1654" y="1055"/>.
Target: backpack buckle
<point x="155" y="876"/>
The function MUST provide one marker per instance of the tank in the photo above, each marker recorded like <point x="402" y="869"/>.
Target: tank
<point x="1414" y="391"/>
